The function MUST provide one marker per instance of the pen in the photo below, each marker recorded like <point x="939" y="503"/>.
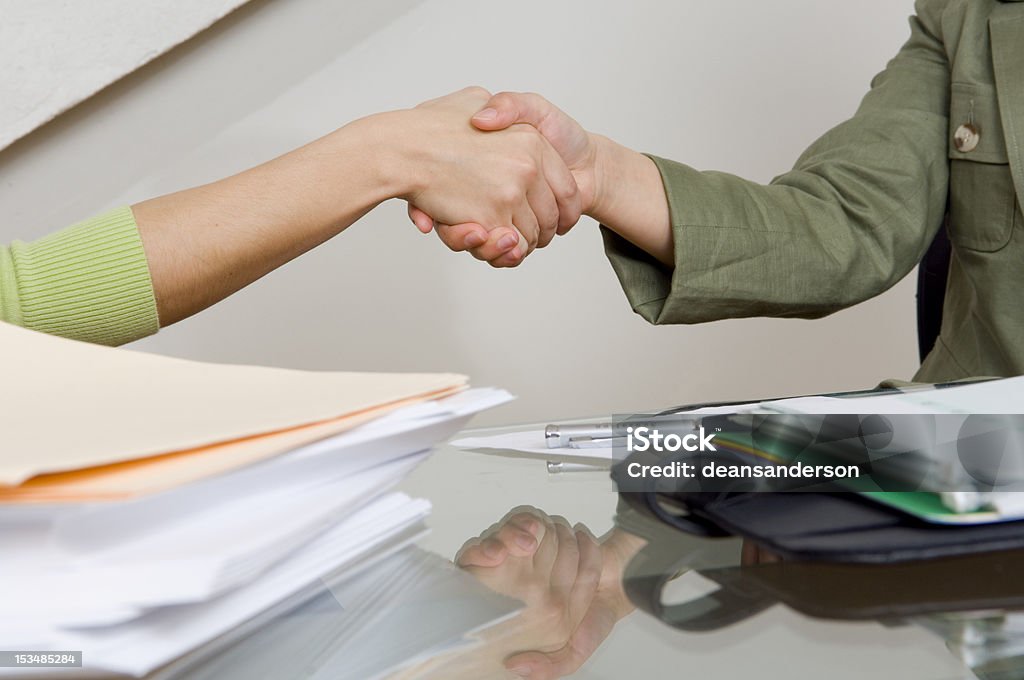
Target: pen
<point x="563" y="436"/>
<point x="559" y="436"/>
<point x="595" y="442"/>
<point x="558" y="467"/>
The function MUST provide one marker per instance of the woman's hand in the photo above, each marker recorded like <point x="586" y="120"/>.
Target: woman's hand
<point x="576" y="147"/>
<point x="511" y="180"/>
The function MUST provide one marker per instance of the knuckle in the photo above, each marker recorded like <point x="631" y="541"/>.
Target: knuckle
<point x="510" y="194"/>
<point x="590" y="573"/>
<point x="468" y="556"/>
<point x="508" y="533"/>
<point x="552" y="216"/>
<point x="522" y="161"/>
<point x="476" y="91"/>
<point x="504" y="97"/>
<point x="566" y="221"/>
<point x="452" y="244"/>
<point x="529" y="171"/>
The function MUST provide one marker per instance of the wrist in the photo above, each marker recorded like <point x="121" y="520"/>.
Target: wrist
<point x="618" y="548"/>
<point x="602" y="172"/>
<point x="385" y="154"/>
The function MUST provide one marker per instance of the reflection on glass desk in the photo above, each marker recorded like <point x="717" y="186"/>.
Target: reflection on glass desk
<point x="660" y="604"/>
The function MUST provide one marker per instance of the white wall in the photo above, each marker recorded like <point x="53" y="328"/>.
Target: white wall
<point x="57" y="53"/>
<point x="741" y="86"/>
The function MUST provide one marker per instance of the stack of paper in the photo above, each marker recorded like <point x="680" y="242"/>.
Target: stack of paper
<point x="150" y="505"/>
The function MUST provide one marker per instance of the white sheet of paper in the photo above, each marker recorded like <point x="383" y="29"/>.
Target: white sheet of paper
<point x="525" y="441"/>
<point x="164" y="634"/>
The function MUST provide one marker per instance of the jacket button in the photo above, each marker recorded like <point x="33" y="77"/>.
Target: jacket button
<point x="966" y="137"/>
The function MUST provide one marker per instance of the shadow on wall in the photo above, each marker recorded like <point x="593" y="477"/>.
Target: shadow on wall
<point x="88" y="165"/>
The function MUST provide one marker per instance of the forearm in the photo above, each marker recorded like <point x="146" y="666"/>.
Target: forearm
<point x="618" y="547"/>
<point x="629" y="198"/>
<point x="205" y="243"/>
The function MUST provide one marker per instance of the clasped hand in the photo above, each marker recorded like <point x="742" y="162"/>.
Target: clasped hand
<point x="501" y="194"/>
<point x="570" y="583"/>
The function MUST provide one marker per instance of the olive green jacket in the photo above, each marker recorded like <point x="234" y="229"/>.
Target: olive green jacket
<point x="863" y="203"/>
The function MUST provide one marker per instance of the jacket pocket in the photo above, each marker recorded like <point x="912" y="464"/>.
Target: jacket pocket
<point x="982" y="196"/>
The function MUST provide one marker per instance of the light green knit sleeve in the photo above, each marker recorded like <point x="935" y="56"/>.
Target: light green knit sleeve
<point x="88" y="282"/>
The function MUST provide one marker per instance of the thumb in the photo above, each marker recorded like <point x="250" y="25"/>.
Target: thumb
<point x="508" y="108"/>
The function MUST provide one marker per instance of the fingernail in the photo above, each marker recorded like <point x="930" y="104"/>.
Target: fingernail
<point x="491" y="550"/>
<point x="525" y="542"/>
<point x="507" y="241"/>
<point x="487" y="114"/>
<point x="474" y="239"/>
<point x="521" y="671"/>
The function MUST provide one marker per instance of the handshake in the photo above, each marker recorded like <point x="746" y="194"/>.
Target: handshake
<point x="497" y="176"/>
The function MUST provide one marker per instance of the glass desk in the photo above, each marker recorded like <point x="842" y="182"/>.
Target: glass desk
<point x="727" y="621"/>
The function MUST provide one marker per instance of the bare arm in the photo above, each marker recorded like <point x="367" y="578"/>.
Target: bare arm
<point x="205" y="243"/>
<point x="631" y="199"/>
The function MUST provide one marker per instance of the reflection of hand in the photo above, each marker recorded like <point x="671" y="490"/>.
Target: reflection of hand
<point x="516" y="534"/>
<point x="512" y="180"/>
<point x="556" y="580"/>
<point x="574" y="145"/>
<point x="568" y="651"/>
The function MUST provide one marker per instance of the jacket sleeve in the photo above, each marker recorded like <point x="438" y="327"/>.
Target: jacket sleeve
<point x="88" y="282"/>
<point x="852" y="218"/>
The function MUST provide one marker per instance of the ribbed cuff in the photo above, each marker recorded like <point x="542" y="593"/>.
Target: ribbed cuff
<point x="9" y="309"/>
<point x="89" y="282"/>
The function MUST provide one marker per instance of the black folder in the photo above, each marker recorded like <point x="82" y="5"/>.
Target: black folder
<point x="840" y="527"/>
